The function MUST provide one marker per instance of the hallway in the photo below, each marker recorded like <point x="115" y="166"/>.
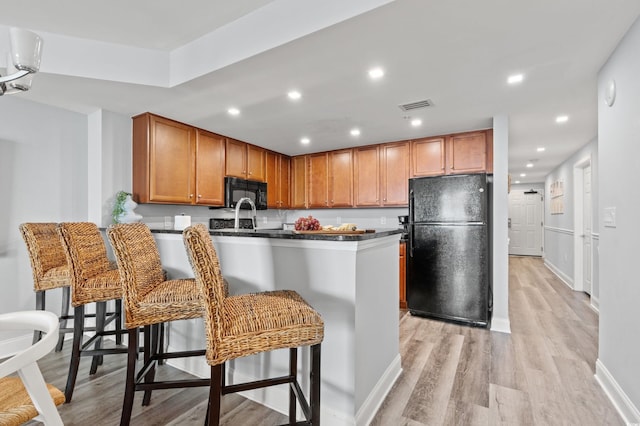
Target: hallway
<point x="541" y="374"/>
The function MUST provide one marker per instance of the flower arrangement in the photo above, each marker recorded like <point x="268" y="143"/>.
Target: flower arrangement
<point x="123" y="208"/>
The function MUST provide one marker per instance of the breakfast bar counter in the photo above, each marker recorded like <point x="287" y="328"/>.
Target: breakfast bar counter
<point x="350" y="279"/>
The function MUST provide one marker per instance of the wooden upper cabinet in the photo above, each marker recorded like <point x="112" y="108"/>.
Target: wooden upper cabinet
<point x="428" y="157"/>
<point x="277" y="177"/>
<point x="245" y="161"/>
<point x="467" y="153"/>
<point x="298" y="182"/>
<point x="318" y="180"/>
<point x="210" y="168"/>
<point x="366" y="176"/>
<point x="394" y="163"/>
<point x="341" y="178"/>
<point x="490" y="151"/>
<point x="256" y="163"/>
<point x="163" y="160"/>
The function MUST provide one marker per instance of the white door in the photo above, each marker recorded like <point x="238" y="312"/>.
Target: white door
<point x="586" y="233"/>
<point x="525" y="223"/>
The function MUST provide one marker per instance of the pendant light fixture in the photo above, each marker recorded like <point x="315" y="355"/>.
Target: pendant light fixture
<point x="22" y="62"/>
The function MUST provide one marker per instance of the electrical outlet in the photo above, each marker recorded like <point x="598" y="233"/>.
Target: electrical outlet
<point x="338" y="220"/>
<point x="383" y="220"/>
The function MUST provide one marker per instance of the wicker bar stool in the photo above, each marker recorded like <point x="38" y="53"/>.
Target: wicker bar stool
<point x="93" y="280"/>
<point x="50" y="270"/>
<point x="149" y="301"/>
<point x="237" y="326"/>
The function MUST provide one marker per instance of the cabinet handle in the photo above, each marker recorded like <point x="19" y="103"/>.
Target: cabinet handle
<point x="190" y="195"/>
<point x="199" y="195"/>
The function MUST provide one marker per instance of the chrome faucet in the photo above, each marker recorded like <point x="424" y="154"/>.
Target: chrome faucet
<point x="253" y="211"/>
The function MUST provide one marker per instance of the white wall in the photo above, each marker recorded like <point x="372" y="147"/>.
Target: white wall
<point x="560" y="229"/>
<point x="43" y="173"/>
<point x="618" y="366"/>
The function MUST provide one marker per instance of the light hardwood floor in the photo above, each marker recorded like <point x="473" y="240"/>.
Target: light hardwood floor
<point x="540" y="374"/>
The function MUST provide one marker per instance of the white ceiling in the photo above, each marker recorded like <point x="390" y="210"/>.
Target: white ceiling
<point x="193" y="61"/>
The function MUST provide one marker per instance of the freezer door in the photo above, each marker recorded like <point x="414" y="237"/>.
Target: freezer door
<point x="447" y="273"/>
<point x="456" y="198"/>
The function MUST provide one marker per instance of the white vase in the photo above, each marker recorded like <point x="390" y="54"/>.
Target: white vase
<point x="129" y="216"/>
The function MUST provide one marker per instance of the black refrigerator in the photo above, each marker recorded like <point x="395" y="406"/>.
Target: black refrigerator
<point x="448" y="259"/>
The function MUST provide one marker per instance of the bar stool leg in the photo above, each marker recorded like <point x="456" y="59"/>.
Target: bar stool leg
<point x="150" y="350"/>
<point x="101" y="313"/>
<point x="119" y="322"/>
<point x="315" y="385"/>
<point x="130" y="388"/>
<point x="215" y="394"/>
<point x="40" y="302"/>
<point x="293" y="371"/>
<point x="64" y="311"/>
<point x="78" y="328"/>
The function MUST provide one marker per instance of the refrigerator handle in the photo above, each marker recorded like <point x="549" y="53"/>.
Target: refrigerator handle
<point x="411" y="223"/>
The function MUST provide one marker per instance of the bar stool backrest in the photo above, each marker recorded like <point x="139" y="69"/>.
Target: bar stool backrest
<point x="86" y="254"/>
<point x="45" y="253"/>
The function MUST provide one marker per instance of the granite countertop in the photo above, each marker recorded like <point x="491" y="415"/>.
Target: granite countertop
<point x="291" y="235"/>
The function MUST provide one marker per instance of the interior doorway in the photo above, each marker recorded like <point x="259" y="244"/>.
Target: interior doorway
<point x="525" y="222"/>
<point x="583" y="230"/>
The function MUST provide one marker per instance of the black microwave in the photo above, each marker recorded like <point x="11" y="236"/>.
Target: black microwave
<point x="236" y="188"/>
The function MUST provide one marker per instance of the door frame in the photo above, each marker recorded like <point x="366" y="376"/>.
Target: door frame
<point x="578" y="223"/>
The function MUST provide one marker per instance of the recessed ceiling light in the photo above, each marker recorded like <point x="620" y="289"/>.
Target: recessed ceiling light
<point x="517" y="181"/>
<point x="562" y="119"/>
<point x="355" y="132"/>
<point x="305" y="141"/>
<point x="523" y="174"/>
<point x="529" y="165"/>
<point x="416" y="122"/>
<point x="540" y="149"/>
<point x="376" y="73"/>
<point x="233" y="111"/>
<point x="294" y="94"/>
<point x="515" y="79"/>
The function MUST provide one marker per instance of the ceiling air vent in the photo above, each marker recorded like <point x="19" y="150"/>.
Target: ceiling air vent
<point x="416" y="105"/>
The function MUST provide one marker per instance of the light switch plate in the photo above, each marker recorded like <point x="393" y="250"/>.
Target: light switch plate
<point x="609" y="217"/>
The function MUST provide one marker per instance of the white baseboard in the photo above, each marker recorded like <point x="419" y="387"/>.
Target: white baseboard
<point x="595" y="304"/>
<point x="561" y="275"/>
<point x="629" y="412"/>
<point x="501" y="325"/>
<point x="370" y="406"/>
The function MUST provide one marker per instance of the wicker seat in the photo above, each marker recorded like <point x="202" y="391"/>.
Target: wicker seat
<point x="50" y="270"/>
<point x="238" y="326"/>
<point x="28" y="396"/>
<point x="149" y="301"/>
<point x="93" y="280"/>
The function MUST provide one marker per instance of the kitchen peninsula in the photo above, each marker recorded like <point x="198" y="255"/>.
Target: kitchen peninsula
<point x="352" y="280"/>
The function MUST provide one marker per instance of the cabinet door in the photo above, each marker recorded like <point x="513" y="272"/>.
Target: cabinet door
<point x="273" y="187"/>
<point x="341" y="178"/>
<point x="298" y="182"/>
<point x="490" y="151"/>
<point x="467" y="153"/>
<point x="427" y="157"/>
<point x="210" y="168"/>
<point x="403" y="276"/>
<point x="236" y="159"/>
<point x="318" y="180"/>
<point x="394" y="161"/>
<point x="171" y="161"/>
<point x="366" y="164"/>
<point x="256" y="163"/>
<point x="284" y="178"/>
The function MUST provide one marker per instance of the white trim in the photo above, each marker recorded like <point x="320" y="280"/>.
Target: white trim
<point x="595" y="304"/>
<point x="559" y="230"/>
<point x="629" y="412"/>
<point x="561" y="275"/>
<point x="578" y="223"/>
<point x="501" y="325"/>
<point x="376" y="397"/>
<point x="595" y="235"/>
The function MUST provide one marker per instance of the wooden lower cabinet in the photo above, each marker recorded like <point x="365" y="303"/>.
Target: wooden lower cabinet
<point x="403" y="275"/>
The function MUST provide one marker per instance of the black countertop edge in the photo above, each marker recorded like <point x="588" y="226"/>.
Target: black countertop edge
<point x="290" y="235"/>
